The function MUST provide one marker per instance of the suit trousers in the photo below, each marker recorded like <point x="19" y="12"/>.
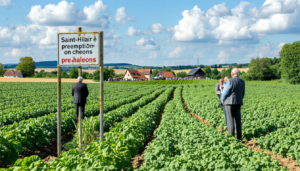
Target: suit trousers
<point x="223" y="106"/>
<point x="77" y="110"/>
<point x="233" y="114"/>
<point x="219" y="97"/>
<point x="225" y="114"/>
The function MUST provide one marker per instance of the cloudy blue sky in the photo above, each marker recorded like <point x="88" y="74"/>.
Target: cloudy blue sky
<point x="152" y="32"/>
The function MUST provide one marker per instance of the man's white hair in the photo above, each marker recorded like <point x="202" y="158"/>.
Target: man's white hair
<point x="235" y="71"/>
<point x="80" y="78"/>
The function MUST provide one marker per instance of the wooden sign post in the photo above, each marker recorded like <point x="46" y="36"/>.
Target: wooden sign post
<point x="79" y="49"/>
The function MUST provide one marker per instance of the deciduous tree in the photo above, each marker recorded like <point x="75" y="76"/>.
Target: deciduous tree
<point x="27" y="66"/>
<point x="181" y="74"/>
<point x="290" y="62"/>
<point x="260" y="69"/>
<point x="73" y="73"/>
<point x="106" y="74"/>
<point x="207" y="71"/>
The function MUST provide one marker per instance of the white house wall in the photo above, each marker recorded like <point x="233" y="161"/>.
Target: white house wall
<point x="127" y="76"/>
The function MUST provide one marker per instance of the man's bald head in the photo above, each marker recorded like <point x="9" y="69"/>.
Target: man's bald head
<point x="80" y="79"/>
<point x="234" y="72"/>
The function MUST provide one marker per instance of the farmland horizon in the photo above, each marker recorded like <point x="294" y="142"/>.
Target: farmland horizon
<point x="52" y="64"/>
<point x="189" y="33"/>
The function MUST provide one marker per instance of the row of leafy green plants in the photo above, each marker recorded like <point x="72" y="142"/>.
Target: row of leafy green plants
<point x="34" y="132"/>
<point x="172" y="82"/>
<point x="17" y="114"/>
<point x="114" y="153"/>
<point x="25" y="98"/>
<point x="184" y="143"/>
<point x="270" y="115"/>
<point x="92" y="125"/>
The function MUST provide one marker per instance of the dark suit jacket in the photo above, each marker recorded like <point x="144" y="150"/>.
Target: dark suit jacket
<point x="234" y="92"/>
<point x="80" y="93"/>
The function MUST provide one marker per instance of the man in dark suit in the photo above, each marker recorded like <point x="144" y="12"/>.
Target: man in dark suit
<point x="232" y="98"/>
<point x="80" y="92"/>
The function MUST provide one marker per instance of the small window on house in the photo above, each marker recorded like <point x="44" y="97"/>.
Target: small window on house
<point x="128" y="75"/>
<point x="132" y="73"/>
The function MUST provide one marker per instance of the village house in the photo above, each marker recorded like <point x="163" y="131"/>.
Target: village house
<point x="13" y="74"/>
<point x="165" y="75"/>
<point x="147" y="73"/>
<point x="133" y="75"/>
<point x="196" y="73"/>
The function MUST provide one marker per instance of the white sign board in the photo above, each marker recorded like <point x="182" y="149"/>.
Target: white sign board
<point x="78" y="49"/>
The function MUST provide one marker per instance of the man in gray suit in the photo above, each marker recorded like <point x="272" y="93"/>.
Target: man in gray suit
<point x="232" y="98"/>
<point x="80" y="92"/>
<point x="219" y="90"/>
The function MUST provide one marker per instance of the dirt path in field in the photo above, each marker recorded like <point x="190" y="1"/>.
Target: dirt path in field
<point x="63" y="80"/>
<point x="48" y="152"/>
<point x="138" y="160"/>
<point x="289" y="163"/>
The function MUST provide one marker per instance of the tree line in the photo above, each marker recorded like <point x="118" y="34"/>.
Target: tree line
<point x="107" y="72"/>
<point x="27" y="66"/>
<point x="287" y="67"/>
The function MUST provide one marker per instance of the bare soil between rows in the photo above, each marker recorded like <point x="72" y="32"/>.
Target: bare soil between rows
<point x="46" y="152"/>
<point x="289" y="163"/>
<point x="138" y="160"/>
<point x="63" y="80"/>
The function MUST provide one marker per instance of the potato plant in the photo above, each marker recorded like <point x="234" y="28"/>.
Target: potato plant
<point x="115" y="152"/>
<point x="35" y="132"/>
<point x="184" y="143"/>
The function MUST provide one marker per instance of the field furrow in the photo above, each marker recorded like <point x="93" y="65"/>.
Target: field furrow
<point x="35" y="132"/>
<point x="184" y="143"/>
<point x="115" y="153"/>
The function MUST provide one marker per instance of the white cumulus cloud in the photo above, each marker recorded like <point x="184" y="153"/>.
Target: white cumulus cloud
<point x="219" y="10"/>
<point x="223" y="56"/>
<point x="153" y="55"/>
<point x="271" y="7"/>
<point x="193" y="26"/>
<point x="5" y="2"/>
<point x="268" y="50"/>
<point x="239" y="24"/>
<point x="157" y="28"/>
<point x="16" y="52"/>
<point x="133" y="31"/>
<point x="176" y="53"/>
<point x="66" y="14"/>
<point x="147" y="44"/>
<point x="122" y="16"/>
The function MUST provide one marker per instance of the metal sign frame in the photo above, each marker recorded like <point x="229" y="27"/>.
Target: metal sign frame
<point x="79" y="33"/>
<point x="79" y="73"/>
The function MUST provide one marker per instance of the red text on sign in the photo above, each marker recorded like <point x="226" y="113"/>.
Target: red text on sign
<point x="78" y="60"/>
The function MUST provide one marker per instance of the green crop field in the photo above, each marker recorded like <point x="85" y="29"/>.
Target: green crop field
<point x="175" y="82"/>
<point x="149" y="126"/>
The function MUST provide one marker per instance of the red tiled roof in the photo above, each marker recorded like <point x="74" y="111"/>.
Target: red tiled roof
<point x="135" y="74"/>
<point x="168" y="74"/>
<point x="11" y="73"/>
<point x="145" y="71"/>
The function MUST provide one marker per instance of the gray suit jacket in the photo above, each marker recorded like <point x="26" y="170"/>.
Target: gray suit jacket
<point x="80" y="93"/>
<point x="218" y="88"/>
<point x="236" y="93"/>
